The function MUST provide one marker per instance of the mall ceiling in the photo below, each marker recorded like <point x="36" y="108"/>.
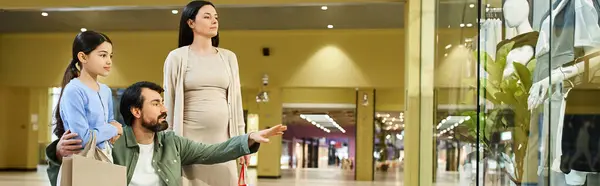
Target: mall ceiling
<point x="233" y="17"/>
<point x="344" y="117"/>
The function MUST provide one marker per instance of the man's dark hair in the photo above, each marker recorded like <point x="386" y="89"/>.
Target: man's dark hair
<point x="132" y="98"/>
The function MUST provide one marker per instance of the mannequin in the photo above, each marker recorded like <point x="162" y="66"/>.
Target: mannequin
<point x="516" y="14"/>
<point x="574" y="29"/>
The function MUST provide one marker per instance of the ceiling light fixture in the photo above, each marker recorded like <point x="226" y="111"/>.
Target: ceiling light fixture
<point x="462" y="25"/>
<point x="329" y="26"/>
<point x="44" y="14"/>
<point x="448" y="46"/>
<point x="335" y="124"/>
<point x="451" y="123"/>
<point x="324" y="8"/>
<point x="314" y="123"/>
<point x="322" y="121"/>
<point x="471" y="5"/>
<point x="469" y="25"/>
<point x="83" y="29"/>
<point x="174" y="11"/>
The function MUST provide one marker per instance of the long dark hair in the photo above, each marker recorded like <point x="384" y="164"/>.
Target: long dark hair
<point x="85" y="42"/>
<point x="186" y="35"/>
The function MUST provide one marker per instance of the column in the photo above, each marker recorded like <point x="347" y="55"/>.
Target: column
<point x="311" y="153"/>
<point x="269" y="156"/>
<point x="420" y="47"/>
<point x="304" y="153"/>
<point x="365" y="110"/>
<point x="316" y="153"/>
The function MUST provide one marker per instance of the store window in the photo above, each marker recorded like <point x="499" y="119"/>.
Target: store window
<point x="515" y="82"/>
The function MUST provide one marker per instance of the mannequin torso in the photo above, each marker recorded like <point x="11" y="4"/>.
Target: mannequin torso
<point x="521" y="55"/>
<point x="516" y="13"/>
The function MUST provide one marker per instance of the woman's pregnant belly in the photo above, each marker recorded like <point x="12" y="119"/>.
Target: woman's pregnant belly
<point x="206" y="116"/>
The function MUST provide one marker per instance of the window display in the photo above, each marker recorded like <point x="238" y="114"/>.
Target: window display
<point x="538" y="63"/>
<point x="529" y="58"/>
<point x="570" y="31"/>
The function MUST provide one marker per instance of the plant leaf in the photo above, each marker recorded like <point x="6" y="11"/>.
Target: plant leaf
<point x="523" y="74"/>
<point x="492" y="68"/>
<point x="531" y="64"/>
<point x="505" y="98"/>
<point x="503" y="52"/>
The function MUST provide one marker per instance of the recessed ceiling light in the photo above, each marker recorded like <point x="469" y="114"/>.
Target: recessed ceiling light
<point x="471" y="5"/>
<point x="44" y="14"/>
<point x="175" y="11"/>
<point x="469" y="25"/>
<point x="462" y="25"/>
<point x="324" y="8"/>
<point x="329" y="26"/>
<point x="83" y="29"/>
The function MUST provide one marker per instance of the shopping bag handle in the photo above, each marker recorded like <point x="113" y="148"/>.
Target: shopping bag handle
<point x="91" y="151"/>
<point x="242" y="179"/>
<point x="90" y="146"/>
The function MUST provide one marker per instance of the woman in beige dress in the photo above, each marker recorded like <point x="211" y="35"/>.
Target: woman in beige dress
<point x="202" y="92"/>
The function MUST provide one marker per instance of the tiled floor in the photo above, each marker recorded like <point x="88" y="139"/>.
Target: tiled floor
<point x="312" y="177"/>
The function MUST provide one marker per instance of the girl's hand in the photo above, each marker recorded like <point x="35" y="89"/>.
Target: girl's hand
<point x="118" y="126"/>
<point x="119" y="131"/>
<point x="114" y="139"/>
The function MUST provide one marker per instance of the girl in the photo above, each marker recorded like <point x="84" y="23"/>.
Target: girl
<point x="85" y="105"/>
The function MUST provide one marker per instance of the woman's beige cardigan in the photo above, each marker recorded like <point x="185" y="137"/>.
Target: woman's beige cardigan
<point x="174" y="73"/>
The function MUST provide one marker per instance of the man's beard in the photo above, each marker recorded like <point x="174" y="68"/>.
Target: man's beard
<point x="157" y="126"/>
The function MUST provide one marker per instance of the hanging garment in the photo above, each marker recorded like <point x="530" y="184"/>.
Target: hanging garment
<point x="575" y="24"/>
<point x="580" y="144"/>
<point x="498" y="29"/>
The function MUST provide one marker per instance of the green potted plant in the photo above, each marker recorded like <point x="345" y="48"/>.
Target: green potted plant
<point x="508" y="95"/>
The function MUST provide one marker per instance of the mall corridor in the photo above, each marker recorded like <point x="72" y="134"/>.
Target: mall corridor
<point x="370" y="92"/>
<point x="290" y="177"/>
<point x="314" y="177"/>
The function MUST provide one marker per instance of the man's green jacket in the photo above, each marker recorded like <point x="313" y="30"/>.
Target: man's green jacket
<point x="171" y="152"/>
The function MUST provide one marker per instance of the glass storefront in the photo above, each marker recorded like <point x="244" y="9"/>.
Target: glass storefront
<point x="514" y="88"/>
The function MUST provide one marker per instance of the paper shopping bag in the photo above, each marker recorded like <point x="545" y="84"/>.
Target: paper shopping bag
<point x="91" y="167"/>
<point x="79" y="170"/>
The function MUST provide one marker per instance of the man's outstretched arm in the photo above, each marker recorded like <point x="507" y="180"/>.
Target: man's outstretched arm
<point x="198" y="153"/>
